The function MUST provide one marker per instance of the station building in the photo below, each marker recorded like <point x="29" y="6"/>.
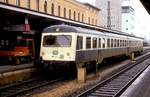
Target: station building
<point x="68" y="9"/>
<point x="28" y="18"/>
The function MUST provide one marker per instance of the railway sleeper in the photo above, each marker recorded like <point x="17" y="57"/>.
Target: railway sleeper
<point x="111" y="88"/>
<point x="107" y="92"/>
<point x="102" y="94"/>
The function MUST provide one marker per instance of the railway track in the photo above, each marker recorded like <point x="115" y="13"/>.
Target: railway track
<point x="116" y="84"/>
<point x="23" y="87"/>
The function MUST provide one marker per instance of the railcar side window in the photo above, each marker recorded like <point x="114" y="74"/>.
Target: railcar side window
<point x="120" y="43"/>
<point x="94" y="42"/>
<point x="112" y="43"/>
<point x="88" y="42"/>
<point x="57" y="40"/>
<point x="99" y="45"/>
<point x="117" y="43"/>
<point x="103" y="42"/>
<point x="108" y="43"/>
<point x="79" y="42"/>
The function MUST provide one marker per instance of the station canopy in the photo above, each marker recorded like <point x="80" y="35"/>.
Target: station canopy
<point x="146" y="4"/>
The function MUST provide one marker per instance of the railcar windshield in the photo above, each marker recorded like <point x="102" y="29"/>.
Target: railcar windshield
<point x="57" y="40"/>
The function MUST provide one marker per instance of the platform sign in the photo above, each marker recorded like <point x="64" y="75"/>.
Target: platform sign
<point x="19" y="28"/>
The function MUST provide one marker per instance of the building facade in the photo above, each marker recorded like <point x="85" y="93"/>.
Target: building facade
<point x="68" y="9"/>
<point x="110" y="13"/>
<point x="128" y="17"/>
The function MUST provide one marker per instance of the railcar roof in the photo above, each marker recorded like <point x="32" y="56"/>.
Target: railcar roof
<point x="68" y="28"/>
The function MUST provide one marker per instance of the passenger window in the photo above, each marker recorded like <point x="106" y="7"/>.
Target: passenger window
<point x="103" y="42"/>
<point x="120" y="43"/>
<point x="99" y="45"/>
<point x="117" y="43"/>
<point x="108" y="43"/>
<point x="112" y="43"/>
<point x="88" y="42"/>
<point x="79" y="42"/>
<point x="94" y="42"/>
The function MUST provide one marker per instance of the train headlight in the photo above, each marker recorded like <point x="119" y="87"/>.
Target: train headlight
<point x="55" y="52"/>
<point x="68" y="54"/>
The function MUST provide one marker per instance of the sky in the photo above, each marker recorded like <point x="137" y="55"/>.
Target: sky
<point x="142" y="19"/>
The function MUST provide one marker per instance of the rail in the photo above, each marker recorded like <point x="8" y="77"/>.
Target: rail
<point x="23" y="87"/>
<point x="116" y="84"/>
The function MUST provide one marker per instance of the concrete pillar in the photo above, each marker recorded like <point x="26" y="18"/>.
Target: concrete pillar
<point x="26" y="20"/>
<point x="81" y="77"/>
<point x="132" y="56"/>
<point x="96" y="68"/>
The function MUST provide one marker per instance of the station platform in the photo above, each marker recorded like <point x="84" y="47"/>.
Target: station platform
<point x="8" y="68"/>
<point x="140" y="87"/>
<point x="15" y="73"/>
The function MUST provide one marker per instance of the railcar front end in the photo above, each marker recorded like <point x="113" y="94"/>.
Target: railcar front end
<point x="57" y="48"/>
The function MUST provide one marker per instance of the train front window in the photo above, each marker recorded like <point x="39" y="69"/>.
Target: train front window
<point x="57" y="40"/>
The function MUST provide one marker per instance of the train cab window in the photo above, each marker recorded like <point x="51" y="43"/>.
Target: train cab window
<point x="94" y="42"/>
<point x="108" y="43"/>
<point x="88" y="42"/>
<point x="112" y="43"/>
<point x="99" y="44"/>
<point x="79" y="42"/>
<point x="57" y="40"/>
<point x="103" y="42"/>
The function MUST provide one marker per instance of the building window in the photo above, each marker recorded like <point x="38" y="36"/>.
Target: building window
<point x="18" y="2"/>
<point x="5" y="1"/>
<point x="28" y="3"/>
<point x="78" y="16"/>
<point x="37" y="5"/>
<point x="65" y="12"/>
<point x="69" y="13"/>
<point x="45" y="6"/>
<point x="96" y="22"/>
<point x="127" y="9"/>
<point x="74" y="15"/>
<point x="89" y="20"/>
<point x="88" y="42"/>
<point x="92" y="21"/>
<point x="52" y="9"/>
<point x="82" y="17"/>
<point x="79" y="42"/>
<point x="59" y="11"/>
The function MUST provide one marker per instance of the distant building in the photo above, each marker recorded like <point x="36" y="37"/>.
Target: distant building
<point x="68" y="9"/>
<point x="128" y="17"/>
<point x="110" y="13"/>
